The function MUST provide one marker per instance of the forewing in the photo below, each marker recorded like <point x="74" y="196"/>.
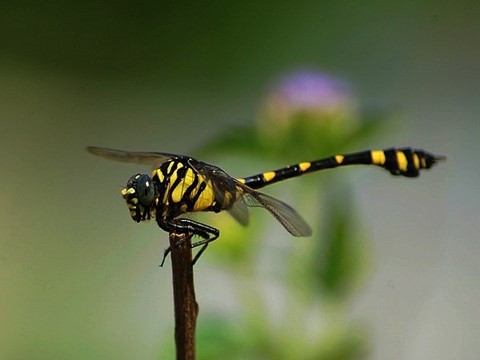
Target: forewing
<point x="284" y="213"/>
<point x="139" y="157"/>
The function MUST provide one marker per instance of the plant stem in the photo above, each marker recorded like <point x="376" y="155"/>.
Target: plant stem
<point x="185" y="305"/>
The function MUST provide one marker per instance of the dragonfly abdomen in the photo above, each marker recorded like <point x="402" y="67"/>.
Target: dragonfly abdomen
<point x="405" y="162"/>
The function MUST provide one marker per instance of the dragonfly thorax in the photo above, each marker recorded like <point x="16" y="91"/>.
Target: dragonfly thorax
<point x="181" y="189"/>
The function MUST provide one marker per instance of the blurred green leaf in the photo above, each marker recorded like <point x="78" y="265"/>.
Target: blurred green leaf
<point x="217" y="337"/>
<point x="338" y="256"/>
<point x="349" y="344"/>
<point x="237" y="244"/>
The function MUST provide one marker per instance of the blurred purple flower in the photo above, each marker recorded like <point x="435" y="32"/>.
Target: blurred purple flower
<point x="312" y="93"/>
<point x="313" y="90"/>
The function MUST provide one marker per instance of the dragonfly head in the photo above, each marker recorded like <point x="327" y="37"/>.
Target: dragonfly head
<point x="140" y="197"/>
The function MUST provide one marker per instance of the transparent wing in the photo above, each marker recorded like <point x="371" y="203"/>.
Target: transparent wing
<point x="139" y="157"/>
<point x="239" y="212"/>
<point x="284" y="213"/>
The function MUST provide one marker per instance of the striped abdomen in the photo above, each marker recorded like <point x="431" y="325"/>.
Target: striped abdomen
<point x="404" y="161"/>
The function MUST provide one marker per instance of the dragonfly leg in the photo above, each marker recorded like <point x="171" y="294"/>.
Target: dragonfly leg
<point x="188" y="226"/>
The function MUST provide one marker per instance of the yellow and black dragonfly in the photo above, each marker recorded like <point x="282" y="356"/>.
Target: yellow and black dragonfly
<point x="180" y="184"/>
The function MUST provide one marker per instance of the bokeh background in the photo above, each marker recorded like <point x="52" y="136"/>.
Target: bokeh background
<point x="80" y="280"/>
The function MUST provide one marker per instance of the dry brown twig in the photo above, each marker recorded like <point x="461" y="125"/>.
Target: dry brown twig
<point x="185" y="305"/>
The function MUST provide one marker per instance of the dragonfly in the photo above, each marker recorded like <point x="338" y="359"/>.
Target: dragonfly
<point x="180" y="184"/>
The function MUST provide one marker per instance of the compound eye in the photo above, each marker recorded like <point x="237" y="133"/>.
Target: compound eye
<point x="145" y="190"/>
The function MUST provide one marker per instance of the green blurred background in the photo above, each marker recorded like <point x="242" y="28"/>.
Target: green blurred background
<point x="80" y="280"/>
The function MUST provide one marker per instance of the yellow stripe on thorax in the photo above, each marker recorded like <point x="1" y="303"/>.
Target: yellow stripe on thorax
<point x="179" y="191"/>
<point x="169" y="167"/>
<point x="174" y="175"/>
<point x="200" y="181"/>
<point x="171" y="181"/>
<point x="206" y="198"/>
<point x="159" y="174"/>
<point x="339" y="159"/>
